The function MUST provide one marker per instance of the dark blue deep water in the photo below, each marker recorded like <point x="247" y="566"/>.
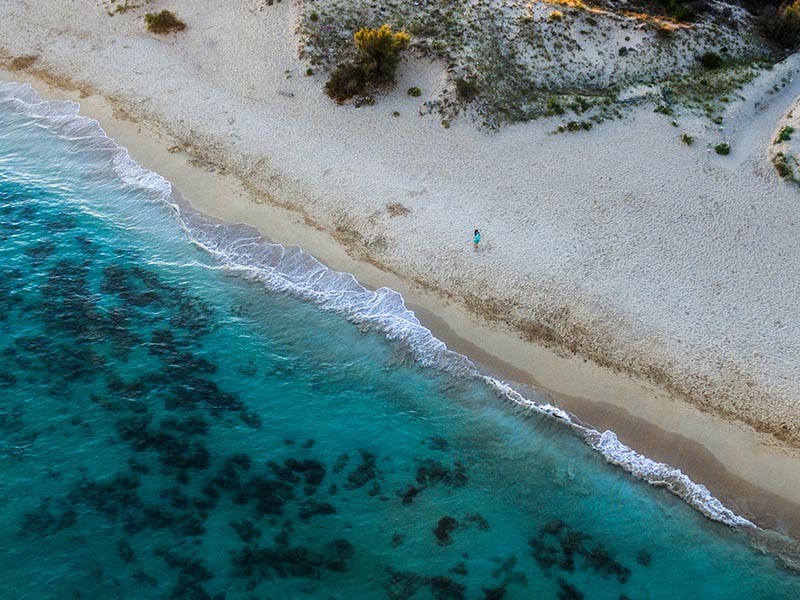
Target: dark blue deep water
<point x="172" y="427"/>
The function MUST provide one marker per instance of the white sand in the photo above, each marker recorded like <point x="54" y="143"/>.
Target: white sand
<point x="621" y="244"/>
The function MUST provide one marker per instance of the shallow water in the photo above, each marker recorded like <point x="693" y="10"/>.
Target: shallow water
<point x="172" y="428"/>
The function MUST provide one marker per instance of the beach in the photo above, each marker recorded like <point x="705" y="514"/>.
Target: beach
<point x="648" y="286"/>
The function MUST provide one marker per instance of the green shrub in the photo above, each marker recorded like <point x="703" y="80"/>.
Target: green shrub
<point x="785" y="134"/>
<point x="414" y="92"/>
<point x="554" y="107"/>
<point x="439" y="46"/>
<point x="687" y="139"/>
<point x="723" y="148"/>
<point x="711" y="60"/>
<point x="347" y="80"/>
<point x="377" y="57"/>
<point x="163" y="22"/>
<point x="782" y="165"/>
<point x="467" y="88"/>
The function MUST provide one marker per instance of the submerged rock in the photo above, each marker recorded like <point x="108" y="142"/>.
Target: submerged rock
<point x="246" y="530"/>
<point x="125" y="551"/>
<point x="436" y="442"/>
<point x="494" y="593"/>
<point x="284" y="561"/>
<point x="311" y="508"/>
<point x="573" y="545"/>
<point x="444" y="527"/>
<point x="444" y="588"/>
<point x="644" y="558"/>
<point x="364" y="473"/>
<point x="460" y="569"/>
<point x="313" y="471"/>
<point x="409" y="494"/>
<point x="431" y="472"/>
<point x="567" y="591"/>
<point x="477" y="520"/>
<point x="341" y="462"/>
<point x="284" y="473"/>
<point x="403" y="585"/>
<point x="339" y="552"/>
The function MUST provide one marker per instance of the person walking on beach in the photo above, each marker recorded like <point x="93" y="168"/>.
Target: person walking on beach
<point x="476" y="239"/>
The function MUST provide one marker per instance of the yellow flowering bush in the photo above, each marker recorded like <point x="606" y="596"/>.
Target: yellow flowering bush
<point x="378" y="53"/>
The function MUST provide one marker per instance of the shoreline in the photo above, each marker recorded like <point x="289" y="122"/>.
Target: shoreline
<point x="706" y="448"/>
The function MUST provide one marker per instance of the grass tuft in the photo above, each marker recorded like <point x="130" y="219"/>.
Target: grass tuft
<point x="164" y="22"/>
<point x="723" y="148"/>
<point x="785" y="134"/>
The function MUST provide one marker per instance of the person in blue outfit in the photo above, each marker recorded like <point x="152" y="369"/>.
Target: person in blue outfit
<point x="476" y="239"/>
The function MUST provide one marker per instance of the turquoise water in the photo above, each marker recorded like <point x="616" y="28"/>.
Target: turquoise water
<point x="173" y="427"/>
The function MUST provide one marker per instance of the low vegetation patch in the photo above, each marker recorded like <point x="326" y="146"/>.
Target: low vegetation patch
<point x="711" y="60"/>
<point x="782" y="166"/>
<point x="120" y="7"/>
<point x="467" y="88"/>
<point x="780" y="24"/>
<point x="347" y="80"/>
<point x="723" y="148"/>
<point x="395" y="209"/>
<point x="785" y="134"/>
<point x="524" y="61"/>
<point x="164" y="22"/>
<point x="687" y="139"/>
<point x="414" y="92"/>
<point x="684" y="11"/>
<point x="554" y="106"/>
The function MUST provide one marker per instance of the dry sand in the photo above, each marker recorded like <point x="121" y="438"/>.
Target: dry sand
<point x="620" y="245"/>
